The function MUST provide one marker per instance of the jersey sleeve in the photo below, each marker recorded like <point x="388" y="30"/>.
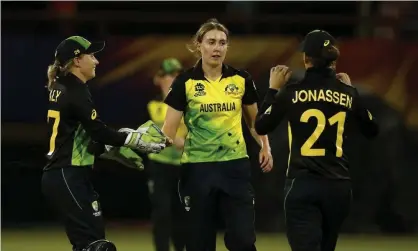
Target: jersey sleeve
<point x="250" y="96"/>
<point x="366" y="121"/>
<point x="176" y="97"/>
<point x="84" y="110"/>
<point x="272" y="111"/>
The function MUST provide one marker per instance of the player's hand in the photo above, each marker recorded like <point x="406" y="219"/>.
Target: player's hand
<point x="266" y="159"/>
<point x="178" y="143"/>
<point x="143" y="141"/>
<point x="343" y="77"/>
<point x="279" y="75"/>
<point x="168" y="141"/>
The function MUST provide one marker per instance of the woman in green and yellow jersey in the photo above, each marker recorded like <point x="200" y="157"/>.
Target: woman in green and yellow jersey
<point x="213" y="97"/>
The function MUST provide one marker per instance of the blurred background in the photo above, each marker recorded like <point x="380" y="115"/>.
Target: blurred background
<point x="379" y="46"/>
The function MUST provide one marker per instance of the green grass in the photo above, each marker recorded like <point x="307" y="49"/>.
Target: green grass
<point x="139" y="239"/>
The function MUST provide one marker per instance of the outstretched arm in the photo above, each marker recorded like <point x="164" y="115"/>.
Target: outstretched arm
<point x="172" y="123"/>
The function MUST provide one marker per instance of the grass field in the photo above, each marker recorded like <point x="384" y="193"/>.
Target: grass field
<point x="139" y="239"/>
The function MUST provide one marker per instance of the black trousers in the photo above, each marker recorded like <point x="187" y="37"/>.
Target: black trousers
<point x="315" y="209"/>
<point x="70" y="192"/>
<point x="205" y="187"/>
<point x="167" y="211"/>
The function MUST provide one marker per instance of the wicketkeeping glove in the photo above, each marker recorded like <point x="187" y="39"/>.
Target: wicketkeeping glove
<point x="148" y="138"/>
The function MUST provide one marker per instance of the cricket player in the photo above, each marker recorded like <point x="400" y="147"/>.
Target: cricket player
<point x="213" y="97"/>
<point x="73" y="125"/>
<point x="323" y="112"/>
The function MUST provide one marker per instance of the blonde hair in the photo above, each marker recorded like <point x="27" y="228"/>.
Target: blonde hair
<point x="211" y="24"/>
<point x="55" y="69"/>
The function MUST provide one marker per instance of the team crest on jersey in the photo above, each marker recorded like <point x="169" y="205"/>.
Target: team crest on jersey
<point x="199" y="90"/>
<point x="93" y="114"/>
<point x="95" y="206"/>
<point x="231" y="89"/>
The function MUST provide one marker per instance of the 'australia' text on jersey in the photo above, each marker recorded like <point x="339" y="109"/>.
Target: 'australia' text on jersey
<point x="218" y="107"/>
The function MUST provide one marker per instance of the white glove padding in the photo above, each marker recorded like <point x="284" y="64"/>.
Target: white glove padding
<point x="142" y="141"/>
<point x="128" y="130"/>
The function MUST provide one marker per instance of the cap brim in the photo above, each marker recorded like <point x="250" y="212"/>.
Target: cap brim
<point x="95" y="47"/>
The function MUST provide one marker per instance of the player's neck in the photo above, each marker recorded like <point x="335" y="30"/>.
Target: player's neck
<point x="79" y="75"/>
<point x="212" y="72"/>
<point x="332" y="66"/>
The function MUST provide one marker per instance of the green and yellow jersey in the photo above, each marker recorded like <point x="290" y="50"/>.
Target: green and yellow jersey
<point x="157" y="110"/>
<point x="212" y="113"/>
<point x="73" y="124"/>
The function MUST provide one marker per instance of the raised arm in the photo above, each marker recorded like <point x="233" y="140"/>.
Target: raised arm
<point x="273" y="107"/>
<point x="271" y="113"/>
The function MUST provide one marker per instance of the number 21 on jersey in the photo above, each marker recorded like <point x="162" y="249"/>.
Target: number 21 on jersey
<point x="339" y="119"/>
<point x="56" y="116"/>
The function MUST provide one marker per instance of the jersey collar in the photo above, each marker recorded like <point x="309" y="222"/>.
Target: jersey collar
<point x="199" y="74"/>
<point x="320" y="71"/>
<point x="70" y="78"/>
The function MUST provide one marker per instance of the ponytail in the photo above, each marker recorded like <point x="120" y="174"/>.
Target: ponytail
<point x="55" y="69"/>
<point x="329" y="55"/>
<point x="52" y="73"/>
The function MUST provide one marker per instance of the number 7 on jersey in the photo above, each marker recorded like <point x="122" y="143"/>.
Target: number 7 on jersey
<point x="56" y="116"/>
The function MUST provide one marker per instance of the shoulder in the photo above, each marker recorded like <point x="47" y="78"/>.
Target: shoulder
<point x="154" y="104"/>
<point x="179" y="82"/>
<point x="64" y="89"/>
<point x="76" y="93"/>
<point x="185" y="75"/>
<point x="344" y="85"/>
<point x="349" y="89"/>
<point x="61" y="86"/>
<point x="70" y="86"/>
<point x="240" y="72"/>
<point x="292" y="84"/>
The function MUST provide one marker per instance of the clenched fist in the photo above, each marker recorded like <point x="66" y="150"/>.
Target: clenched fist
<point x="279" y="75"/>
<point x="343" y="77"/>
